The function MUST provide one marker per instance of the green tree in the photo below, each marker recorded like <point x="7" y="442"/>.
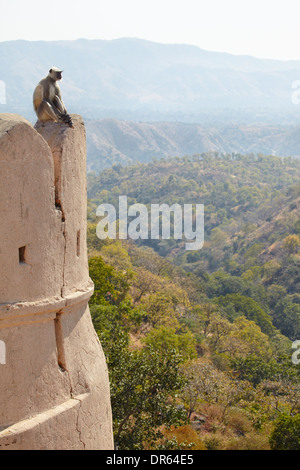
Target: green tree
<point x="160" y="307"/>
<point x="241" y="338"/>
<point x="143" y="383"/>
<point x="291" y="244"/>
<point x="254" y="369"/>
<point x="165" y="339"/>
<point x="286" y="317"/>
<point x="111" y="286"/>
<point x="94" y="244"/>
<point x="143" y="389"/>
<point x="286" y="433"/>
<point x="235" y="305"/>
<point x="207" y="383"/>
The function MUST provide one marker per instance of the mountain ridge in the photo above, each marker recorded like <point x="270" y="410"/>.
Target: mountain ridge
<point x="134" y="77"/>
<point x="112" y="141"/>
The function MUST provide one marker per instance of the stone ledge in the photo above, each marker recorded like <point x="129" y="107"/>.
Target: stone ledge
<point x="42" y="310"/>
<point x="11" y="434"/>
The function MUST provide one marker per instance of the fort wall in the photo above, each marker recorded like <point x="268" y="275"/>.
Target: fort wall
<point x="54" y="387"/>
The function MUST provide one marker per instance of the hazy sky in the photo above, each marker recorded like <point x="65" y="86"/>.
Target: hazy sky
<point x="262" y="28"/>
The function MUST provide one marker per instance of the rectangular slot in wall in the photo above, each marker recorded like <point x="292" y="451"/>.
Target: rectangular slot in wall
<point x="78" y="244"/>
<point x="22" y="255"/>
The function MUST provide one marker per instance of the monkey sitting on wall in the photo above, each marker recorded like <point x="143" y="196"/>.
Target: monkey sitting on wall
<point x="47" y="100"/>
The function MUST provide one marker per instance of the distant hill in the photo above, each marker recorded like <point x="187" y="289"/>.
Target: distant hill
<point x="134" y="79"/>
<point x="111" y="141"/>
<point x="142" y="99"/>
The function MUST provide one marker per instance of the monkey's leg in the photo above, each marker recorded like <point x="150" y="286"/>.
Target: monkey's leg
<point x="45" y="112"/>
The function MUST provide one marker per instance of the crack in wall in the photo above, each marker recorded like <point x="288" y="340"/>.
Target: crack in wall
<point x="59" y="208"/>
<point x="77" y="423"/>
<point x="64" y="263"/>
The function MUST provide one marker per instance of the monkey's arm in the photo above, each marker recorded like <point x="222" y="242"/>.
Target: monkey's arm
<point x="59" y="105"/>
<point x="58" y="101"/>
<point x="65" y="117"/>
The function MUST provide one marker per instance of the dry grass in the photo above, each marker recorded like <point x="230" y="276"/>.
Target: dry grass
<point x="185" y="435"/>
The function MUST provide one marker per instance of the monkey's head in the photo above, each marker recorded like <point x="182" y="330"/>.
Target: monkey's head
<point x="55" y="73"/>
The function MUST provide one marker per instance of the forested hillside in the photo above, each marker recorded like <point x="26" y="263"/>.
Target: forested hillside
<point x="199" y="343"/>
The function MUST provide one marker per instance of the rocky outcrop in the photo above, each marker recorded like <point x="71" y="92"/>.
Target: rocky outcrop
<point x="54" y="386"/>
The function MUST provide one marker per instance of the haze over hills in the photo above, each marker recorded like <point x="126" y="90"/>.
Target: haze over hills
<point x="141" y="78"/>
<point x="175" y="99"/>
<point x="111" y="141"/>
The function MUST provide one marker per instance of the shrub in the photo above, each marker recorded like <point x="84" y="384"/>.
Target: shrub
<point x="286" y="433"/>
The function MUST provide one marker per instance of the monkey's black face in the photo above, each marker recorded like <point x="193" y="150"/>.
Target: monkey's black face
<point x="58" y="76"/>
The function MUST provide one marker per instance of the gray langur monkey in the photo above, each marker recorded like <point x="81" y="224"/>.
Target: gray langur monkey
<point x="47" y="101"/>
